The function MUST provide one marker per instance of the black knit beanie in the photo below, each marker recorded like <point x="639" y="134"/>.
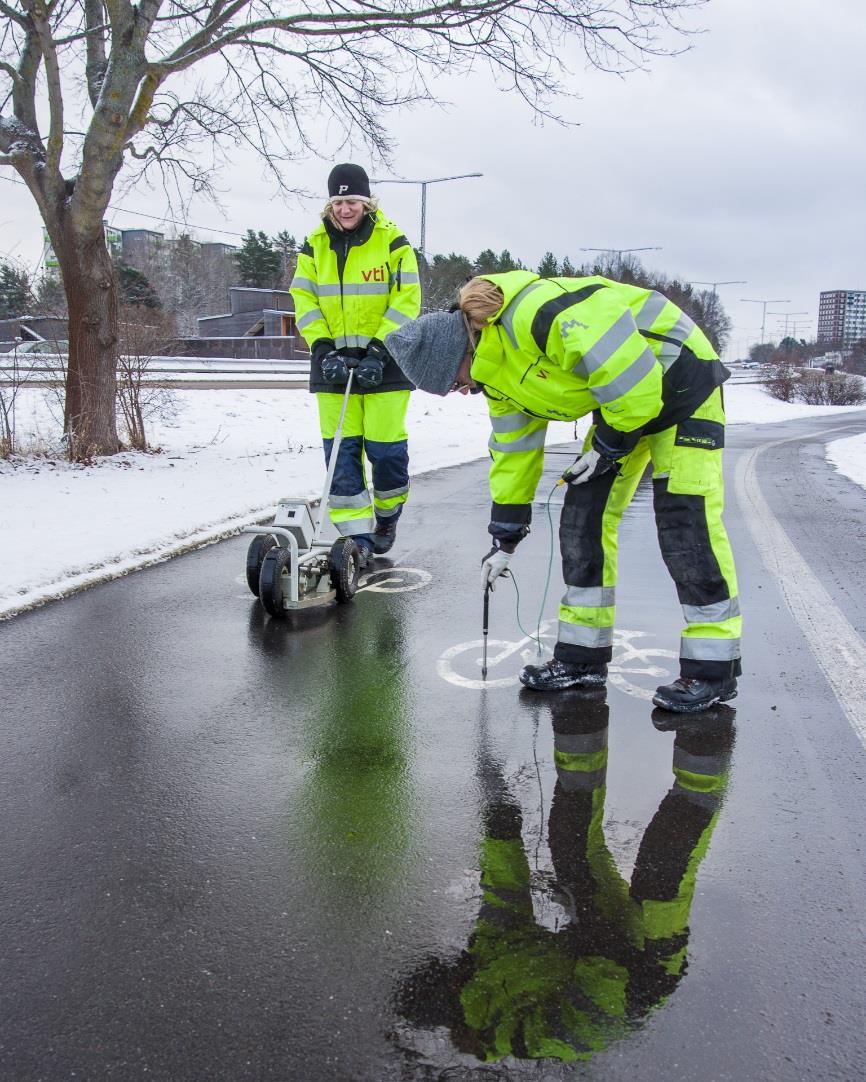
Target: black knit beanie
<point x="348" y="181"/>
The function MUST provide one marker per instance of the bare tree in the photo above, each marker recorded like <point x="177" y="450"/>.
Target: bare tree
<point x="144" y="334"/>
<point x="114" y="80"/>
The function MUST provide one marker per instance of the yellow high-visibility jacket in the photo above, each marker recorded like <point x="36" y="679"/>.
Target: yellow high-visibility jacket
<point x="560" y="348"/>
<point x="352" y="288"/>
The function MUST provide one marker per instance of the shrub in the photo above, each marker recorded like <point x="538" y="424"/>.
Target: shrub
<point x="781" y="382"/>
<point x="831" y="389"/>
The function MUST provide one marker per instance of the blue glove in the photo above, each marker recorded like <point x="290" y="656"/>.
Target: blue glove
<point x="370" y="371"/>
<point x="335" y="368"/>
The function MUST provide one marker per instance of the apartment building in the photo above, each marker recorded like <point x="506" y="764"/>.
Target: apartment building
<point x="842" y="316"/>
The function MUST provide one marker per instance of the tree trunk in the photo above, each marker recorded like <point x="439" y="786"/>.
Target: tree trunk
<point x="90" y="420"/>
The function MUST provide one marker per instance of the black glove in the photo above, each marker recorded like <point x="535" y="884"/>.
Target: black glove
<point x="372" y="366"/>
<point x="370" y="371"/>
<point x="335" y="368"/>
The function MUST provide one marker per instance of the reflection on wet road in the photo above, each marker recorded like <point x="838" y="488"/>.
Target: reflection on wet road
<point x="321" y="849"/>
<point x="564" y="960"/>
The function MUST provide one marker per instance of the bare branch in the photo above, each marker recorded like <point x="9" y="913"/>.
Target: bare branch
<point x="13" y="13"/>
<point x="39" y="15"/>
<point x="94" y="16"/>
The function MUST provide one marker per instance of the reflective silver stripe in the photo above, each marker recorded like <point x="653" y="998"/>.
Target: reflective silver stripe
<point x="365" y="289"/>
<point x="613" y="339"/>
<point x="580" y="743"/>
<point x="406" y="277"/>
<point x="354" y="526"/>
<point x="391" y="493"/>
<point x="682" y="328"/>
<point x="534" y="441"/>
<point x="579" y="781"/>
<point x="652" y="308"/>
<point x="712" y="614"/>
<point x="626" y="380"/>
<point x="352" y="341"/>
<point x="590" y="597"/>
<point x="577" y="635"/>
<point x="305" y="283"/>
<point x="710" y="800"/>
<point x="308" y="318"/>
<point x="668" y="353"/>
<point x="509" y="422"/>
<point x="507" y="318"/>
<point x="396" y="316"/>
<point x="387" y="512"/>
<point x="361" y="499"/>
<point x="709" y="649"/>
<point x="709" y="765"/>
<point x="354" y="289"/>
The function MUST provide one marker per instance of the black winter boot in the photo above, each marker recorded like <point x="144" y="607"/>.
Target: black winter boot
<point x="365" y="557"/>
<point x="555" y="675"/>
<point x="687" y="696"/>
<point x="384" y="535"/>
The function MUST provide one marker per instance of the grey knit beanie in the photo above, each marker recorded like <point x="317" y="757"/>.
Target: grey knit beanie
<point x="429" y="350"/>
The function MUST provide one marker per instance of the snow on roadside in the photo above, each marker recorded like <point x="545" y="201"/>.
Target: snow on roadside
<point x="849" y="457"/>
<point x="227" y="456"/>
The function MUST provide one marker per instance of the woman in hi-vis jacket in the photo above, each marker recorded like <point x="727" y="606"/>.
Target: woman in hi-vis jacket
<point x="559" y="349"/>
<point x="356" y="280"/>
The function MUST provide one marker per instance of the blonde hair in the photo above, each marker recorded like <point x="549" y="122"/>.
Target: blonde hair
<point x="479" y="301"/>
<point x="371" y="205"/>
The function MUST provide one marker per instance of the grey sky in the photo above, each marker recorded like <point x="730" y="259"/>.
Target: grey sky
<point x="742" y="159"/>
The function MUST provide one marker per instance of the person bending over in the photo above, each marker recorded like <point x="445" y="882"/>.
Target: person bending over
<point x="559" y="349"/>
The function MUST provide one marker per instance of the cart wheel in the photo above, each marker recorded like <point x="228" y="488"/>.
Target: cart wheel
<point x="345" y="569"/>
<point x="274" y="580"/>
<point x="255" y="555"/>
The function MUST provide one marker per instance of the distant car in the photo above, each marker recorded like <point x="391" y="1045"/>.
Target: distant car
<point x="750" y="364"/>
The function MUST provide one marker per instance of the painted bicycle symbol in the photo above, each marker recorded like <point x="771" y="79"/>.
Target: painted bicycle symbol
<point x="395" y="580"/>
<point x="460" y="665"/>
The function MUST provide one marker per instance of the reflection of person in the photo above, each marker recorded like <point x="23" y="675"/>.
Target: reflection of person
<point x="354" y="800"/>
<point x="566" y="991"/>
<point x="561" y="348"/>
<point x="356" y="280"/>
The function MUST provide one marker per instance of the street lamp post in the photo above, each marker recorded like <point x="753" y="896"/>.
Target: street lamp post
<point x="620" y="251"/>
<point x="786" y="315"/>
<point x="715" y="284"/>
<point x="775" y="300"/>
<point x="436" y="180"/>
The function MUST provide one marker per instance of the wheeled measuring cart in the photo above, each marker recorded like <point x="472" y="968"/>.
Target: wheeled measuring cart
<point x="289" y="566"/>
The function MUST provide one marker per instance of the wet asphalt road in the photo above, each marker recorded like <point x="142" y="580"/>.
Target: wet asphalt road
<point x="239" y="848"/>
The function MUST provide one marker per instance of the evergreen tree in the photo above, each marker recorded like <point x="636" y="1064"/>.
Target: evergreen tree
<point x="567" y="270"/>
<point x="285" y="243"/>
<point x="443" y="278"/>
<point x="135" y="289"/>
<point x="507" y="262"/>
<point x="16" y="295"/>
<point x="259" y="262"/>
<point x="548" y="267"/>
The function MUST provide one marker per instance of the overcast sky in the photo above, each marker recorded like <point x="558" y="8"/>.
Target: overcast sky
<point x="745" y="158"/>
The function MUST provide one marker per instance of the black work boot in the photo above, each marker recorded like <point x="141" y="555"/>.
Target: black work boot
<point x="365" y="556"/>
<point x="687" y="696"/>
<point x="555" y="675"/>
<point x="384" y="535"/>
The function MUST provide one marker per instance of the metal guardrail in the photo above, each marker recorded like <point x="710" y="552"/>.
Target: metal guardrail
<point x="33" y="367"/>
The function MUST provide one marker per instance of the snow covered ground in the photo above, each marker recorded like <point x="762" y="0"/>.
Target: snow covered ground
<point x="226" y="456"/>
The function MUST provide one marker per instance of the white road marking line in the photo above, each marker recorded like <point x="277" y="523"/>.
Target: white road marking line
<point x="837" y="647"/>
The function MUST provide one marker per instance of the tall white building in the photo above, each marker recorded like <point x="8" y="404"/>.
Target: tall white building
<point x="842" y="316"/>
